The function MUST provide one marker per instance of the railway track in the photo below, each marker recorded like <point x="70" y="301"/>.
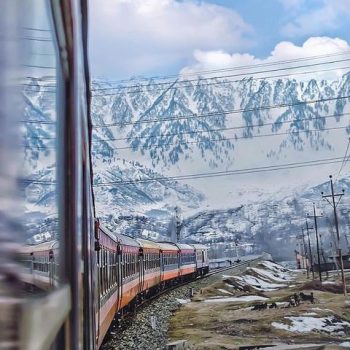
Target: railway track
<point x="129" y="314"/>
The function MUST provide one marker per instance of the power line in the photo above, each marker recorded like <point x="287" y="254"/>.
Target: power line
<point x="37" y="66"/>
<point x="272" y="63"/>
<point x="227" y="173"/>
<point x="207" y="115"/>
<point x="184" y="142"/>
<point x="220" y="113"/>
<point x="172" y="87"/>
<point x="152" y="146"/>
<point x="276" y="123"/>
<point x="216" y="77"/>
<point x="345" y="159"/>
<point x="38" y="39"/>
<point x="36" y="181"/>
<point x="37" y="29"/>
<point x="216" y="130"/>
<point x="285" y="166"/>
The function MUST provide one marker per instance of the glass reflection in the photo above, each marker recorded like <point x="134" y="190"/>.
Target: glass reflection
<point x="38" y="125"/>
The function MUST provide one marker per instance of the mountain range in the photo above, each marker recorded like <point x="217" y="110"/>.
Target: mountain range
<point x="146" y="132"/>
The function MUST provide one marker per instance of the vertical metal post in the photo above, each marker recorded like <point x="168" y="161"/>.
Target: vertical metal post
<point x="305" y="253"/>
<point x="310" y="252"/>
<point x="338" y="237"/>
<point x="318" y="246"/>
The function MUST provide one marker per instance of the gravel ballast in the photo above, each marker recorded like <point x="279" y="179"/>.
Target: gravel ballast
<point x="148" y="328"/>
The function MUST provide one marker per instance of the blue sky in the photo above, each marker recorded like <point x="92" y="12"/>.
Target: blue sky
<point x="269" y="17"/>
<point x="156" y="37"/>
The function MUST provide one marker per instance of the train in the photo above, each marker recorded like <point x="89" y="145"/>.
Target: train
<point x="128" y="271"/>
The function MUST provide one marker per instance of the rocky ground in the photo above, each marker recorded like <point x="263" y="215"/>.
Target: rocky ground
<point x="221" y="316"/>
<point x="148" y="329"/>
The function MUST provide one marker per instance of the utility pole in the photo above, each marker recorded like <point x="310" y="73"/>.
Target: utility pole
<point x="334" y="205"/>
<point x="305" y="252"/>
<point x="317" y="242"/>
<point x="323" y="257"/>
<point x="310" y="252"/>
<point x="177" y="224"/>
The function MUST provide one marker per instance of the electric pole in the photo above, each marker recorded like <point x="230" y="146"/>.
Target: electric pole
<point x="334" y="205"/>
<point x="317" y="242"/>
<point x="323" y="257"/>
<point x="177" y="224"/>
<point x="305" y="252"/>
<point x="310" y="252"/>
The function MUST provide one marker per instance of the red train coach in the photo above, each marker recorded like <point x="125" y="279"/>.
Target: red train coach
<point x="170" y="266"/>
<point x="202" y="260"/>
<point x="187" y="260"/>
<point x="40" y="262"/>
<point x="149" y="266"/>
<point x="118" y="276"/>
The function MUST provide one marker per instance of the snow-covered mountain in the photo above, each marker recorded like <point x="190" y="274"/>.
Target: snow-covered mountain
<point x="274" y="222"/>
<point x="146" y="132"/>
<point x="178" y="122"/>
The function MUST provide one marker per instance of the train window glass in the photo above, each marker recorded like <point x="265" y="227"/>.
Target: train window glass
<point x="39" y="81"/>
<point x="129" y="264"/>
<point x="123" y="267"/>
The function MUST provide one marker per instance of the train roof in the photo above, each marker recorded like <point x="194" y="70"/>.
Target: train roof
<point x="148" y="244"/>
<point x="169" y="246"/>
<point x="40" y="247"/>
<point x="122" y="239"/>
<point x="184" y="246"/>
<point x="126" y="240"/>
<point x="199" y="246"/>
<point x="108" y="232"/>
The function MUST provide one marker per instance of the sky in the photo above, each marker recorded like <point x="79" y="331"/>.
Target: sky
<point x="131" y="38"/>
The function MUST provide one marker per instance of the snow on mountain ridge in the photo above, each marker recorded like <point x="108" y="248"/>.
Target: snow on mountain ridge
<point x="183" y="120"/>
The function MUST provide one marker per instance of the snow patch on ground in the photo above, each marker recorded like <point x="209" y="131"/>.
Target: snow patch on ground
<point x="224" y="291"/>
<point x="273" y="276"/>
<point x="242" y="299"/>
<point x="258" y="283"/>
<point x="306" y="324"/>
<point x="264" y="278"/>
<point x="273" y="266"/>
<point x="183" y="301"/>
<point x="319" y="309"/>
<point x="309" y="314"/>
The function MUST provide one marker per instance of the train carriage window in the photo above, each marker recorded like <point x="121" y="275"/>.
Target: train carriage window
<point x="123" y="265"/>
<point x="126" y="265"/>
<point x="37" y="143"/>
<point x="129" y="264"/>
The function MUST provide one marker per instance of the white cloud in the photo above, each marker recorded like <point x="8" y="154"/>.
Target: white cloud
<point x="138" y="36"/>
<point x="318" y="20"/>
<point x="285" y="50"/>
